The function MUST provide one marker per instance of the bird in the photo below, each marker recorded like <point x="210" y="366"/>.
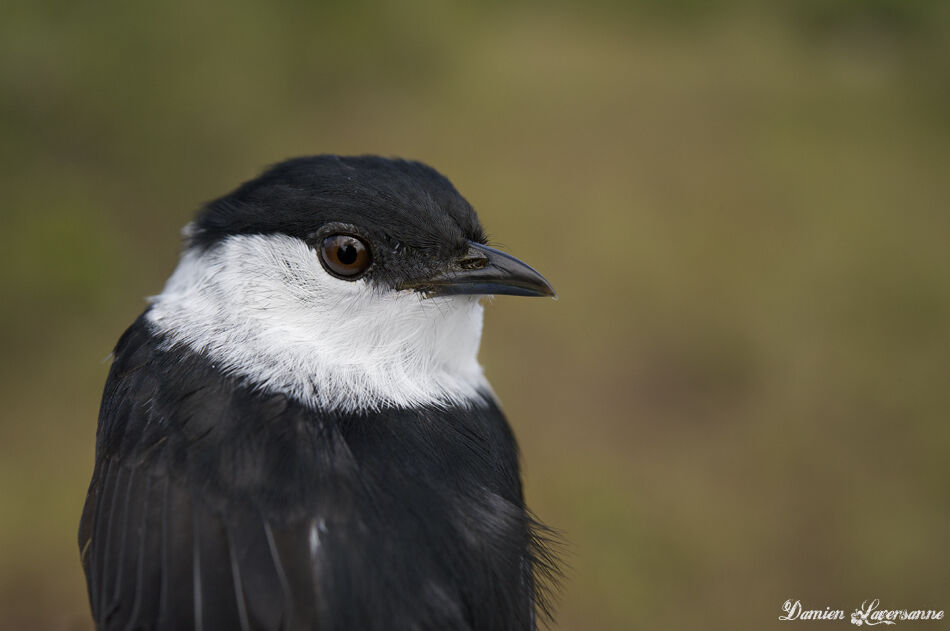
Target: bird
<point x="297" y="434"/>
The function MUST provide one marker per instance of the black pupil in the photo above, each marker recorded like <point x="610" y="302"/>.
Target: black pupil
<point x="347" y="254"/>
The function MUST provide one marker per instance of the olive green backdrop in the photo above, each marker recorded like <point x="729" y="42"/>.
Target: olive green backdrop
<point x="741" y="395"/>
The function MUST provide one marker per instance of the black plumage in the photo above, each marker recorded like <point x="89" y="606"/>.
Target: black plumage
<point x="217" y="505"/>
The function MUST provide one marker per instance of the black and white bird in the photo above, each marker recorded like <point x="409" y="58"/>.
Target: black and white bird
<point x="297" y="434"/>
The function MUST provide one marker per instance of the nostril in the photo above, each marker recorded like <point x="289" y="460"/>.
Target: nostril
<point x="473" y="262"/>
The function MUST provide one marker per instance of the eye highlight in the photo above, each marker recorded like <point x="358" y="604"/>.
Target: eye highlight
<point x="345" y="256"/>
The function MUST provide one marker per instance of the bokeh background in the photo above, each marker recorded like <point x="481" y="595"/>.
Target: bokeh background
<point x="741" y="395"/>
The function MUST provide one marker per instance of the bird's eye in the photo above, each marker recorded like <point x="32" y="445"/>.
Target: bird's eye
<point x="345" y="256"/>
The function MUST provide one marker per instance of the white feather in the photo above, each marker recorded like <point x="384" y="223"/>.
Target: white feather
<point x="263" y="308"/>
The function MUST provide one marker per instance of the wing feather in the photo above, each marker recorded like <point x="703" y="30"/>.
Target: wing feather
<point x="145" y="536"/>
<point x="255" y="575"/>
<point x="116" y="604"/>
<point x="238" y="586"/>
<point x="214" y="584"/>
<point x="113" y="496"/>
<point x="177" y="608"/>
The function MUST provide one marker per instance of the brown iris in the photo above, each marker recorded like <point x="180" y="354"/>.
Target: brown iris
<point x="345" y="256"/>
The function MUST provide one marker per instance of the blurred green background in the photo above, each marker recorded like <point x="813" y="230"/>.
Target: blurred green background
<point x="742" y="393"/>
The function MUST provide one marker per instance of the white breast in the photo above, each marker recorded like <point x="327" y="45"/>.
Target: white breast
<point x="263" y="308"/>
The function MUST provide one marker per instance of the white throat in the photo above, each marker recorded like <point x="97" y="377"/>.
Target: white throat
<point x="262" y="307"/>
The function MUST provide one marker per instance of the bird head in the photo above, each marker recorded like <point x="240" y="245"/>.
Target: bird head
<point x="348" y="283"/>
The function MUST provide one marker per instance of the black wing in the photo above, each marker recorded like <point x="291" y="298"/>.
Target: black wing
<point x="180" y="529"/>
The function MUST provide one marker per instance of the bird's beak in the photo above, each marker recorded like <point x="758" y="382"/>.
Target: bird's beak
<point x="484" y="271"/>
